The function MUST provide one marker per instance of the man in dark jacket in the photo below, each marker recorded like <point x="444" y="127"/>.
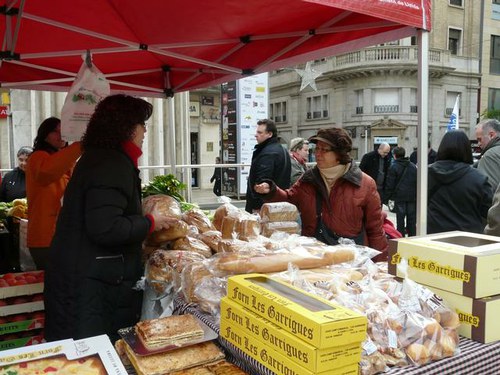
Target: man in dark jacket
<point x="375" y="164"/>
<point x="269" y="161"/>
<point x="401" y="187"/>
<point x="13" y="185"/>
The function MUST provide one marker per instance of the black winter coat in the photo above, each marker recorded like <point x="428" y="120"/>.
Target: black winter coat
<point x="95" y="256"/>
<point x="370" y="163"/>
<point x="13" y="185"/>
<point x="269" y="161"/>
<point x="459" y="197"/>
<point x="403" y="175"/>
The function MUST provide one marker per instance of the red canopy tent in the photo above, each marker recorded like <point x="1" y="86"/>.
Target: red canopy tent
<point x="158" y="47"/>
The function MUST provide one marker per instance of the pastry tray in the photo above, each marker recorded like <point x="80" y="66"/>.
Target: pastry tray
<point x="130" y="337"/>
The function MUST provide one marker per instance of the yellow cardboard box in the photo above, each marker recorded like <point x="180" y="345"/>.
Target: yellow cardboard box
<point x="459" y="262"/>
<point x="271" y="359"/>
<point x="313" y="319"/>
<point x="478" y="317"/>
<point x="304" y="354"/>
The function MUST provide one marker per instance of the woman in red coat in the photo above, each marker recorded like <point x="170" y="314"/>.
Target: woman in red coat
<point x="349" y="202"/>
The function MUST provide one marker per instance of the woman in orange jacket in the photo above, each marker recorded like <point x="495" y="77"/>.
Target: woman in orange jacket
<point x="47" y="174"/>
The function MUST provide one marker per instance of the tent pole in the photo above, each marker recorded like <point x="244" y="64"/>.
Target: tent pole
<point x="422" y="130"/>
<point x="171" y="126"/>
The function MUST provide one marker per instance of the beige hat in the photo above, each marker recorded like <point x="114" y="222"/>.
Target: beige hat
<point x="295" y="142"/>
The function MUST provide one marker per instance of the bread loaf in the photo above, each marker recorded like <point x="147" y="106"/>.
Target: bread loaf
<point x="177" y="230"/>
<point x="244" y="263"/>
<point x="162" y="204"/>
<point x="226" y="209"/>
<point x="198" y="218"/>
<point x="279" y="211"/>
<point x="269" y="228"/>
<point x="192" y="244"/>
<point x="211" y="238"/>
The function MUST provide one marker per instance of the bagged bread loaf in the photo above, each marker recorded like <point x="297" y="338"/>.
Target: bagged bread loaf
<point x="192" y="244"/>
<point x="164" y="267"/>
<point x="222" y="211"/>
<point x="279" y="211"/>
<point x="162" y="204"/>
<point x="211" y="238"/>
<point x="177" y="230"/>
<point x="239" y="263"/>
<point x="268" y="228"/>
<point x="198" y="218"/>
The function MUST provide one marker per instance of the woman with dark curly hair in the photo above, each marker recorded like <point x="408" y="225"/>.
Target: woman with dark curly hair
<point x="459" y="195"/>
<point x="95" y="256"/>
<point x="47" y="174"/>
<point x="335" y="198"/>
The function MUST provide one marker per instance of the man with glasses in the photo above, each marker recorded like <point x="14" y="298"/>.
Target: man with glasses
<point x="375" y="164"/>
<point x="270" y="160"/>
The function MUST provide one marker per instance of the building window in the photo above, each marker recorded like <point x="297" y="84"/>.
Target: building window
<point x="495" y="55"/>
<point x="454" y="36"/>
<point x="317" y="107"/>
<point x="457" y="3"/>
<point x="359" y="102"/>
<point x="386" y="101"/>
<point x="494" y="98"/>
<point x="277" y="112"/>
<point x="451" y="97"/>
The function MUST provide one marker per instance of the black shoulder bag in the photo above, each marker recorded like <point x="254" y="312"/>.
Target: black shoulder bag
<point x="324" y="234"/>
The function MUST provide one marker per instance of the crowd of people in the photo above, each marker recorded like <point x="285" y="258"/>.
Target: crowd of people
<point x="86" y="224"/>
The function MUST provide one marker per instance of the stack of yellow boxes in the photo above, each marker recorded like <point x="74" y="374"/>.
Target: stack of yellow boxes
<point x="288" y="330"/>
<point x="463" y="269"/>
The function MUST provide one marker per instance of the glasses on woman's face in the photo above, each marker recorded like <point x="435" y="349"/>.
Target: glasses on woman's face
<point x="322" y="150"/>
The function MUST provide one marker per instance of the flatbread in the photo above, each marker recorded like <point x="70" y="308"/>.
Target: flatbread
<point x="171" y="330"/>
<point x="190" y="356"/>
<point x="56" y="365"/>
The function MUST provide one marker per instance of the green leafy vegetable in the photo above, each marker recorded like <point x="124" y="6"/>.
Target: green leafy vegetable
<point x="165" y="184"/>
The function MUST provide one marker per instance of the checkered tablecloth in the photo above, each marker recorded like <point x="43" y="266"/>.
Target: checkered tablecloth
<point x="474" y="358"/>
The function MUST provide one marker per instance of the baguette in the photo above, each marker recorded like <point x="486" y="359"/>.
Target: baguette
<point x="240" y="263"/>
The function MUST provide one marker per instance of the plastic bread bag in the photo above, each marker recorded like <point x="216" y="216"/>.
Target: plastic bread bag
<point x="192" y="244"/>
<point x="301" y="279"/>
<point x="226" y="209"/>
<point x="372" y="361"/>
<point x="277" y="261"/>
<point x="199" y="219"/>
<point x="163" y="268"/>
<point x="237" y="246"/>
<point x="291" y="227"/>
<point x="278" y="211"/>
<point x="211" y="238"/>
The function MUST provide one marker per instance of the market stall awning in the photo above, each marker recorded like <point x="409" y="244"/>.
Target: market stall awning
<point x="158" y="47"/>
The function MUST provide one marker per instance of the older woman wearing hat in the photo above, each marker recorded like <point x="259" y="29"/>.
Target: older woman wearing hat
<point x="299" y="152"/>
<point x="335" y="198"/>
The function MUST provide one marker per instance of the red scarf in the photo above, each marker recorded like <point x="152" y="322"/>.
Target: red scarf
<point x="298" y="157"/>
<point x="133" y="151"/>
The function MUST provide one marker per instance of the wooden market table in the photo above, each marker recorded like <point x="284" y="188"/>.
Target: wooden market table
<point x="474" y="358"/>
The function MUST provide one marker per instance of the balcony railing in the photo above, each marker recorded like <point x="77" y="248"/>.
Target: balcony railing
<point x="386" y="109"/>
<point x="397" y="54"/>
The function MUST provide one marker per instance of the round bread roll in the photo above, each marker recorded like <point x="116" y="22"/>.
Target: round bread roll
<point x="433" y="330"/>
<point x="418" y="353"/>
<point x="449" y="319"/>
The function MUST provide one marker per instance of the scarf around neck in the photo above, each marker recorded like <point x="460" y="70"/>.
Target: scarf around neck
<point x="133" y="151"/>
<point x="332" y="174"/>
